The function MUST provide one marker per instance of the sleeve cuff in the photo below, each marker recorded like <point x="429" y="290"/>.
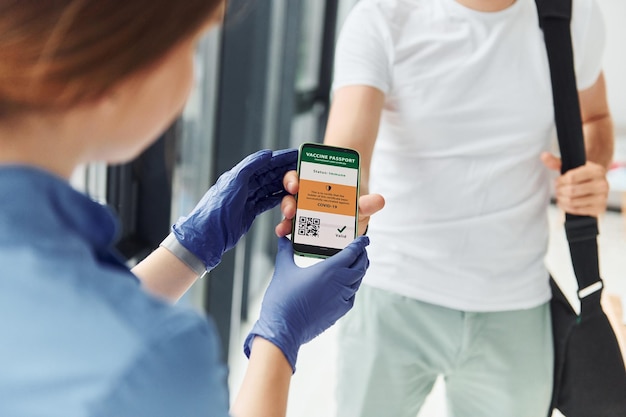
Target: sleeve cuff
<point x="183" y="254"/>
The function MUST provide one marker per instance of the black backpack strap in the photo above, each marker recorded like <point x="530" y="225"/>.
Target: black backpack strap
<point x="582" y="231"/>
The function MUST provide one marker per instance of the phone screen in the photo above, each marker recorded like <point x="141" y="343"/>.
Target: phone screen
<point x="327" y="200"/>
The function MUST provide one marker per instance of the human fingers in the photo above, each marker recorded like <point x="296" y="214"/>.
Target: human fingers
<point x="590" y="203"/>
<point x="572" y="191"/>
<point x="550" y="161"/>
<point x="592" y="210"/>
<point x="583" y="190"/>
<point x="283" y="228"/>
<point x="583" y="206"/>
<point x="589" y="171"/>
<point x="288" y="210"/>
<point x="288" y="204"/>
<point x="369" y="204"/>
<point x="290" y="182"/>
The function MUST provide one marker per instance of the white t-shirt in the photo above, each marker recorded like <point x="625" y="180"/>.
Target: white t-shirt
<point x="468" y="112"/>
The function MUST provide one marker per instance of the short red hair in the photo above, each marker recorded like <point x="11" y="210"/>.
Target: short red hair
<point x="57" y="53"/>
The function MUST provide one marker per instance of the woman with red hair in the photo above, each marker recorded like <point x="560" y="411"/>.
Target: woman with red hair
<point x="82" y="335"/>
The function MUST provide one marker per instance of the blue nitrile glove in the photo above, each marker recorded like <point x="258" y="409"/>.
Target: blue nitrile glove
<point x="229" y="207"/>
<point x="300" y="303"/>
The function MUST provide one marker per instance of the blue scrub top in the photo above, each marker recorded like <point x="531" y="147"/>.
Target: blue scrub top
<point x="78" y="336"/>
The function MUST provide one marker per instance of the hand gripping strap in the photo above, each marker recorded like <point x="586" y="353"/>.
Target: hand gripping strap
<point x="555" y="17"/>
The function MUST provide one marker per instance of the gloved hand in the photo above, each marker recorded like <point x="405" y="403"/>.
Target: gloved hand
<point x="300" y="303"/>
<point x="227" y="210"/>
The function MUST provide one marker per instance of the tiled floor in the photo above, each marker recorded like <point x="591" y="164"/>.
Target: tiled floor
<point x="312" y="386"/>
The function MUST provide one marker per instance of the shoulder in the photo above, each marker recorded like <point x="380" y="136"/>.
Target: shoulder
<point x="374" y="25"/>
<point x="387" y="12"/>
<point x="386" y="22"/>
<point x="582" y="7"/>
<point x="95" y="327"/>
<point x="586" y="15"/>
<point x="367" y="16"/>
<point x="588" y="41"/>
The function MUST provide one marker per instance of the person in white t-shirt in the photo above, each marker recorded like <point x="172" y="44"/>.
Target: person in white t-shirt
<point x="449" y="103"/>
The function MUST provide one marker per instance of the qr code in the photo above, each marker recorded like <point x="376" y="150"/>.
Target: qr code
<point x="308" y="226"/>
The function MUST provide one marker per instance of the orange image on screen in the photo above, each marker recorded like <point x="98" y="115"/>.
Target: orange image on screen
<point x="327" y="197"/>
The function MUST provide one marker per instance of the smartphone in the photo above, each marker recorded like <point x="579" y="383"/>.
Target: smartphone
<point x="327" y="200"/>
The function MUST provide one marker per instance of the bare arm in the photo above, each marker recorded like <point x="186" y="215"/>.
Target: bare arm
<point x="164" y="275"/>
<point x="584" y="190"/>
<point x="265" y="386"/>
<point x="597" y="123"/>
<point x="353" y="123"/>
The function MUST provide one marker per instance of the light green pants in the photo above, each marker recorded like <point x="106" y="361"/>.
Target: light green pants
<point x="393" y="348"/>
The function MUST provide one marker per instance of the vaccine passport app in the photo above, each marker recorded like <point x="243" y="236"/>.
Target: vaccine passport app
<point x="326" y="212"/>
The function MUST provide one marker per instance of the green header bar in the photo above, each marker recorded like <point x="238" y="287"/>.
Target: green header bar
<point x="330" y="157"/>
